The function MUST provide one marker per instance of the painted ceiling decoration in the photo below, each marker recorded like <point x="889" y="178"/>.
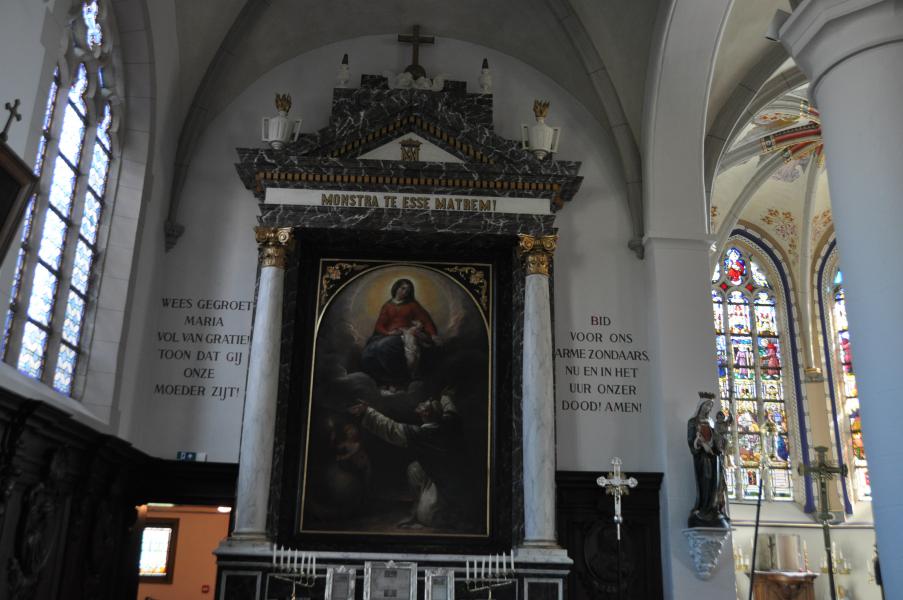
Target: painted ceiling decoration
<point x="790" y="126"/>
<point x="772" y="177"/>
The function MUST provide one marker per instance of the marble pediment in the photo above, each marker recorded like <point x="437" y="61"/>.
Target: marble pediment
<point x="360" y="149"/>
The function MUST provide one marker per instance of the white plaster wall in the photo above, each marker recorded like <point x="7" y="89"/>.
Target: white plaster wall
<point x="216" y="257"/>
<point x="164" y="101"/>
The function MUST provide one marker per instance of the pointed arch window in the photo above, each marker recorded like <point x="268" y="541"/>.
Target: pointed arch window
<point x="51" y="290"/>
<point x="751" y="375"/>
<point x="843" y="366"/>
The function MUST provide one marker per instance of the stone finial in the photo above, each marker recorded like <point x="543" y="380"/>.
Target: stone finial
<point x="343" y="75"/>
<point x="485" y="78"/>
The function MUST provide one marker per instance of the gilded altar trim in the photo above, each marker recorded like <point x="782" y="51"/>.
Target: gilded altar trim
<point x="536" y="251"/>
<point x="274" y="244"/>
<point x="334" y="276"/>
<point x="476" y="280"/>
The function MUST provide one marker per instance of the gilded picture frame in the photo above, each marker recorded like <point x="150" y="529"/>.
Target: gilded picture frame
<point x="398" y="436"/>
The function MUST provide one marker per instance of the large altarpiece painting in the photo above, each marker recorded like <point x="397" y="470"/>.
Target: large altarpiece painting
<point x="398" y="439"/>
<point x="394" y="397"/>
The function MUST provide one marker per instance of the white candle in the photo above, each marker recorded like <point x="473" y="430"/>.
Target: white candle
<point x="483" y="570"/>
<point x="281" y="558"/>
<point x="467" y="569"/>
<point x="315" y="565"/>
<point x="274" y="555"/>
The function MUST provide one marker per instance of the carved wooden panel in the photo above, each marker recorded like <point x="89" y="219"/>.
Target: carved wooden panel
<point x="67" y="504"/>
<point x="586" y="529"/>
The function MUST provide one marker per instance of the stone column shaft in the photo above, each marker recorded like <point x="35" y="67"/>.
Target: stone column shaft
<point x="255" y="460"/>
<point x="538" y="395"/>
<point x="852" y="52"/>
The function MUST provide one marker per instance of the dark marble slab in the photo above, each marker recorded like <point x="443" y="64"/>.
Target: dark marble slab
<point x="465" y="228"/>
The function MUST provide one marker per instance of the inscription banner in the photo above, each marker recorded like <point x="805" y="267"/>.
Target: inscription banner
<point x="437" y="202"/>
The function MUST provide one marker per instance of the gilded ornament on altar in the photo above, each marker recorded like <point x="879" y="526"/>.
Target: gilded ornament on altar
<point x="537" y="252"/>
<point x="410" y="149"/>
<point x="476" y="280"/>
<point x="541" y="108"/>
<point x="332" y="278"/>
<point x="283" y="102"/>
<point x="274" y="244"/>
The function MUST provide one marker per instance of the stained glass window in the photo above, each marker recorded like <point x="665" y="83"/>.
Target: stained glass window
<point x="51" y="288"/>
<point x="93" y="33"/>
<point x="751" y="377"/>
<point x="28" y="219"/>
<point x="847" y="376"/>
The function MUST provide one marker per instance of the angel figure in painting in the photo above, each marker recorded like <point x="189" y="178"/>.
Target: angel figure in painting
<point x="403" y="330"/>
<point x="707" y="444"/>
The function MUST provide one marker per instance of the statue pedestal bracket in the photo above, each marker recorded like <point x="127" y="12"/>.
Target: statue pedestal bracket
<point x="706" y="544"/>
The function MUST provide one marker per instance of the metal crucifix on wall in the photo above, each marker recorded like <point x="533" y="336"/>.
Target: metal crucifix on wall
<point x="616" y="485"/>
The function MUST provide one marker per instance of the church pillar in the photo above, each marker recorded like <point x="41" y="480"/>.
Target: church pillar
<point x="538" y="394"/>
<point x="682" y="345"/>
<point x="255" y="460"/>
<point x="852" y="52"/>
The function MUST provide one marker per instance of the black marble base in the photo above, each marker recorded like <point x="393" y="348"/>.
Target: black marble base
<point x="253" y="578"/>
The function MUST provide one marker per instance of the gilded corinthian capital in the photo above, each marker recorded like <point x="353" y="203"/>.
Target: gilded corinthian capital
<point x="536" y="251"/>
<point x="274" y="244"/>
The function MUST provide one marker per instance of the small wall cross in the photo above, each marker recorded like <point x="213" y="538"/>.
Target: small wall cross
<point x="13" y="114"/>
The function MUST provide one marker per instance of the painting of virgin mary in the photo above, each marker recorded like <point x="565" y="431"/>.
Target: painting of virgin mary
<point x="398" y="433"/>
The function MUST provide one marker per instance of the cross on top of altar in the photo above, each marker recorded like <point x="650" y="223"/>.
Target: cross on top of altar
<point x="416" y="40"/>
